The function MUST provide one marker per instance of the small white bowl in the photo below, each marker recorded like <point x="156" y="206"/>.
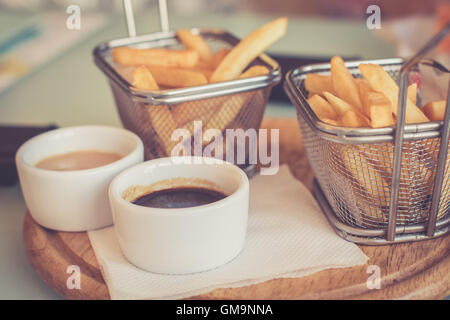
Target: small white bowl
<point x="181" y="240"/>
<point x="74" y="200"/>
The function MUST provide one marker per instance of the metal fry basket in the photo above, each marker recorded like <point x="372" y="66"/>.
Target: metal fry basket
<point x="383" y="185"/>
<point x="153" y="115"/>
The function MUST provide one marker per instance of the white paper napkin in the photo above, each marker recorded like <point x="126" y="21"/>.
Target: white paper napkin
<point x="287" y="236"/>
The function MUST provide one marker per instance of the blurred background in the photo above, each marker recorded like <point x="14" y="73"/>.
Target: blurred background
<point x="36" y="32"/>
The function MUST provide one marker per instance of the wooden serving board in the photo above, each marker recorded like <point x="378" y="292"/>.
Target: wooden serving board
<point x="417" y="270"/>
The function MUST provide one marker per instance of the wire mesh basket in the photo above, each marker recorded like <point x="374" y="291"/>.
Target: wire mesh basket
<point x="154" y="115"/>
<point x="365" y="194"/>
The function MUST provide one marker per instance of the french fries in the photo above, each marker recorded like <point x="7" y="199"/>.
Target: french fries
<point x="322" y="108"/>
<point x="343" y="83"/>
<point x="339" y="105"/>
<point x="364" y="89"/>
<point x="228" y="111"/>
<point x="364" y="100"/>
<point x="155" y="57"/>
<point x="177" y="78"/>
<point x="373" y="101"/>
<point x="348" y="115"/>
<point x="231" y="107"/>
<point x="353" y="119"/>
<point x="378" y="108"/>
<point x="254" y="71"/>
<point x="164" y="125"/>
<point x="316" y="84"/>
<point x="204" y="71"/>
<point x="330" y="121"/>
<point x="160" y="116"/>
<point x="189" y="111"/>
<point x="196" y="65"/>
<point x="435" y="110"/>
<point x="411" y="92"/>
<point x="195" y="42"/>
<point x="365" y="175"/>
<point x="360" y="81"/>
<point x="380" y="81"/>
<point x="248" y="49"/>
<point x="219" y="56"/>
<point x="143" y="79"/>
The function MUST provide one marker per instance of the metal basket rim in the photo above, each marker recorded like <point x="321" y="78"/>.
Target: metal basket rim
<point x="170" y="96"/>
<point x="352" y="135"/>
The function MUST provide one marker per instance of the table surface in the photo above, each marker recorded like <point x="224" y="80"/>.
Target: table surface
<point x="414" y="270"/>
<point x="72" y="91"/>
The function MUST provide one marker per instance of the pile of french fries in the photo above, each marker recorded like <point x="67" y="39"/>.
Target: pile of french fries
<point x="372" y="101"/>
<point x="196" y="65"/>
<point x="342" y="100"/>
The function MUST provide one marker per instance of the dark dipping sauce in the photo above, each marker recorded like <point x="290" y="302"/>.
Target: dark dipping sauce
<point x="182" y="197"/>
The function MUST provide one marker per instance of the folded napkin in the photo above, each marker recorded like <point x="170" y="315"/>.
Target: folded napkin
<point x="287" y="236"/>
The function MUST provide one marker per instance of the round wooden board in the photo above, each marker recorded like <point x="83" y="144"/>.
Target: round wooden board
<point x="417" y="270"/>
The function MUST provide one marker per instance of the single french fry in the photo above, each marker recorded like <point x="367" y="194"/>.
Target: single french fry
<point x="322" y="108"/>
<point x="343" y="83"/>
<point x="348" y="115"/>
<point x="160" y="116"/>
<point x="248" y="49"/>
<point x="219" y="56"/>
<point x="229" y="109"/>
<point x="364" y="90"/>
<point x="435" y="110"/>
<point x="411" y="92"/>
<point x="143" y="79"/>
<point x="381" y="114"/>
<point x="201" y="110"/>
<point x="338" y="104"/>
<point x="177" y="78"/>
<point x="330" y="121"/>
<point x="352" y="118"/>
<point x="195" y="42"/>
<point x="316" y="83"/>
<point x="254" y="71"/>
<point x="377" y="107"/>
<point x="380" y="81"/>
<point x="155" y="57"/>
<point x="359" y="81"/>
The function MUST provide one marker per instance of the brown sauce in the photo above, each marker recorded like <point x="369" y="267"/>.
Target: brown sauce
<point x="78" y="160"/>
<point x="180" y="197"/>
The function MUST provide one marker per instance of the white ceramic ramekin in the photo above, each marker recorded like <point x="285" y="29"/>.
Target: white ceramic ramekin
<point x="74" y="200"/>
<point x="181" y="240"/>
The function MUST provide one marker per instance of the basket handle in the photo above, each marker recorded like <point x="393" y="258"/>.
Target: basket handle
<point x="129" y="17"/>
<point x="398" y="142"/>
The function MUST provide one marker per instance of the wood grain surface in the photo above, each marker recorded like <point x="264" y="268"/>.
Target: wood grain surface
<point x="417" y="270"/>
